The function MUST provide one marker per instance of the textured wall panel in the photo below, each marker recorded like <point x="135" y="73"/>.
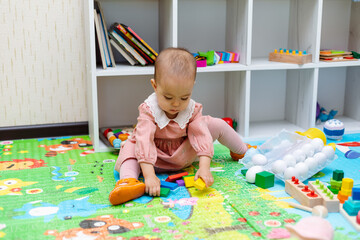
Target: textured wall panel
<point x="42" y="62"/>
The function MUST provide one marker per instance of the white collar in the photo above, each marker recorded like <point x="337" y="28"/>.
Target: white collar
<point x="162" y="120"/>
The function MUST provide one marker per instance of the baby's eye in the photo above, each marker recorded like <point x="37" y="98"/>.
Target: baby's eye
<point x="185" y="98"/>
<point x="167" y="98"/>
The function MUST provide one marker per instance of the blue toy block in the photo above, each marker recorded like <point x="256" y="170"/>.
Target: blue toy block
<point x="351" y="207"/>
<point x="170" y="185"/>
<point x="356" y="194"/>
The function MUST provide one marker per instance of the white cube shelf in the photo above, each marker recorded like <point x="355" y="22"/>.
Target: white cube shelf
<point x="263" y="97"/>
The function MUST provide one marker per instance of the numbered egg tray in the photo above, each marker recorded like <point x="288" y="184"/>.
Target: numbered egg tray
<point x="279" y="146"/>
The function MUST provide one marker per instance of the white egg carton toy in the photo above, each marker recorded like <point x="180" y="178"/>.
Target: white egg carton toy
<point x="289" y="154"/>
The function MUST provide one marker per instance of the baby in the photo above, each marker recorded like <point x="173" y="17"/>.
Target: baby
<point x="171" y="132"/>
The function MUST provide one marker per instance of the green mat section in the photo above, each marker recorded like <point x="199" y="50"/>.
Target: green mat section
<point x="58" y="188"/>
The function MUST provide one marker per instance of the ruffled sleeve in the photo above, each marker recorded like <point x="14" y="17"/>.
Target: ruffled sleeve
<point x="145" y="149"/>
<point x="199" y="135"/>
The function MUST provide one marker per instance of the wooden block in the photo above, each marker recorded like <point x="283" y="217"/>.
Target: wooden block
<point x="180" y="182"/>
<point x="173" y="178"/>
<point x="164" y="192"/>
<point x="199" y="184"/>
<point x="347" y="183"/>
<point x="350" y="219"/>
<point x="265" y="179"/>
<point x="289" y="58"/>
<point x="302" y="193"/>
<point x="330" y="201"/>
<point x="170" y="185"/>
<point x="189" y="181"/>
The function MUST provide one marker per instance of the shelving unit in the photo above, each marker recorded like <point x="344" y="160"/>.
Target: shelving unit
<point x="264" y="97"/>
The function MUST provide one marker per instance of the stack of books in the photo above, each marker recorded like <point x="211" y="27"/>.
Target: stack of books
<point x="107" y="57"/>
<point x="129" y="44"/>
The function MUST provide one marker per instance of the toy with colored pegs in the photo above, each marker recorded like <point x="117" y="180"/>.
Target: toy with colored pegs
<point x="115" y="137"/>
<point x="290" y="56"/>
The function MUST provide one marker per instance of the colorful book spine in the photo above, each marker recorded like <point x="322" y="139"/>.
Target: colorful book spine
<point x="129" y="48"/>
<point x="140" y="39"/>
<point x="134" y="40"/>
<point x="135" y="47"/>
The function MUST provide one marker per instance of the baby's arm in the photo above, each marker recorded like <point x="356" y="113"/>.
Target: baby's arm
<point x="152" y="182"/>
<point x="204" y="171"/>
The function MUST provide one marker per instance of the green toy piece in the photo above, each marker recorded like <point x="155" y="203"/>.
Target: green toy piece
<point x="164" y="192"/>
<point x="338" y="175"/>
<point x="355" y="54"/>
<point x="265" y="179"/>
<point x="210" y="57"/>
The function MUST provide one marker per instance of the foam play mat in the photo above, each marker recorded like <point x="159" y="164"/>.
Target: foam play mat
<point x="57" y="188"/>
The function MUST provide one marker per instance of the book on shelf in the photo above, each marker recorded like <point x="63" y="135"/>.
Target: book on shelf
<point x="132" y="36"/>
<point x="103" y="32"/>
<point x="123" y="52"/>
<point x="148" y="59"/>
<point x="99" y="40"/>
<point x="121" y="41"/>
<point x="140" y="39"/>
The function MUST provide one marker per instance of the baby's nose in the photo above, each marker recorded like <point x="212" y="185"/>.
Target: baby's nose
<point x="176" y="103"/>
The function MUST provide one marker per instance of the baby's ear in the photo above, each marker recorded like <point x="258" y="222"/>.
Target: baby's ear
<point x="153" y="83"/>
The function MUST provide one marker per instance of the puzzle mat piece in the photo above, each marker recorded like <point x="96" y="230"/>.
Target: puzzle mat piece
<point x="234" y="200"/>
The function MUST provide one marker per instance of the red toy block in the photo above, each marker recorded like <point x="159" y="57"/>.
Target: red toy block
<point x="173" y="178"/>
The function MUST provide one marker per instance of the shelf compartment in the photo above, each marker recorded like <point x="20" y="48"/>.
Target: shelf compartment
<point x="220" y="25"/>
<point x="338" y="88"/>
<point x="147" y="24"/>
<point x="340" y="28"/>
<point x="292" y="24"/>
<point x="287" y="101"/>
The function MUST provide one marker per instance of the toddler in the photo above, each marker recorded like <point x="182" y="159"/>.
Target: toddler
<point x="171" y="131"/>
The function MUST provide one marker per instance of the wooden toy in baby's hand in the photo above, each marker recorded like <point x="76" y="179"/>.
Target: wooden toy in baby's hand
<point x="290" y="56"/>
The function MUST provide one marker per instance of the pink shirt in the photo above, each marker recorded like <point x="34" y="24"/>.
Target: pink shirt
<point x="175" y="144"/>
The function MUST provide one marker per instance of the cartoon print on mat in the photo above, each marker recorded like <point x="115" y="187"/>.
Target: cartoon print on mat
<point x="349" y="153"/>
<point x="20" y="164"/>
<point x="69" y="176"/>
<point x="5" y="147"/>
<point x="97" y="228"/>
<point x="64" y="210"/>
<point x="12" y="186"/>
<point x="65" y="146"/>
<point x="77" y="190"/>
<point x="179" y="202"/>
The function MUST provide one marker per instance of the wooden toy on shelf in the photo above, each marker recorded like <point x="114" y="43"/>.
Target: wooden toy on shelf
<point x="336" y="56"/>
<point x="290" y="56"/>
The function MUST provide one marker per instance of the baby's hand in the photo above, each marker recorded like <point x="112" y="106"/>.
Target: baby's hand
<point x="206" y="175"/>
<point x="152" y="185"/>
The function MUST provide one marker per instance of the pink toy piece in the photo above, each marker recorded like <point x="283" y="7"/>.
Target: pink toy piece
<point x="201" y="63"/>
<point x="312" y="228"/>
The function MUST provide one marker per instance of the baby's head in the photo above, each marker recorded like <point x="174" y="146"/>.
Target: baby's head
<point x="175" y="64"/>
<point x="174" y="79"/>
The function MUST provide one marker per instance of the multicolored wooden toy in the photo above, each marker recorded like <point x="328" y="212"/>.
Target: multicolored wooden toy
<point x="290" y="56"/>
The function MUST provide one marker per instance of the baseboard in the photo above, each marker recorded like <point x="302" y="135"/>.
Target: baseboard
<point x="44" y="130"/>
